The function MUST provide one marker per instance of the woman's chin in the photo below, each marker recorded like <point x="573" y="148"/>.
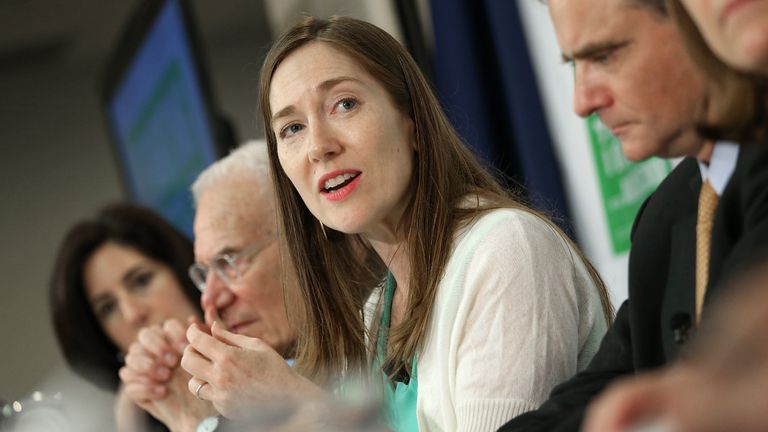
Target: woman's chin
<point x="753" y="51"/>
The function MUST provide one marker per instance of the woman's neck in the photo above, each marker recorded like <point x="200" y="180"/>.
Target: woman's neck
<point x="396" y="258"/>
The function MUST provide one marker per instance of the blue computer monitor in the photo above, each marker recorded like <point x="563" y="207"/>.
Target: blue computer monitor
<point x="159" y="110"/>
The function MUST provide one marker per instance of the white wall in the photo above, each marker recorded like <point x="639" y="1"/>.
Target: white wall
<point x="55" y="168"/>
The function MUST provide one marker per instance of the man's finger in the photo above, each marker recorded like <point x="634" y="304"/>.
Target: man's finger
<point x="198" y="388"/>
<point x="212" y="316"/>
<point x="232" y="339"/>
<point x="196" y="364"/>
<point x="205" y="344"/>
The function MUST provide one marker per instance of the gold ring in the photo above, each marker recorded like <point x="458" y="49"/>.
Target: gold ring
<point x="197" y="391"/>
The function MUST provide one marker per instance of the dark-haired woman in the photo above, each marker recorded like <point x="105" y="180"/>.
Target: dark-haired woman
<point x="122" y="270"/>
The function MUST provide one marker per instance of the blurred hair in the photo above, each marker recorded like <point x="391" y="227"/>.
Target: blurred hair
<point x="250" y="159"/>
<point x="736" y="105"/>
<point x="86" y="347"/>
<point x="335" y="271"/>
<point x="657" y="6"/>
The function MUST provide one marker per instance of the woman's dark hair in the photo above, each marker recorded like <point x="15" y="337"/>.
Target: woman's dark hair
<point x="86" y="347"/>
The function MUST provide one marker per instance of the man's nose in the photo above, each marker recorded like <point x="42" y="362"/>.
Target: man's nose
<point x="217" y="293"/>
<point x="590" y="94"/>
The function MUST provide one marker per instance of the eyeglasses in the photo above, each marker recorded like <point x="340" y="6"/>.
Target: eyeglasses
<point x="229" y="267"/>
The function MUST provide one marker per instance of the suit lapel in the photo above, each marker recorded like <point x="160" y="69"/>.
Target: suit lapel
<point x="679" y="295"/>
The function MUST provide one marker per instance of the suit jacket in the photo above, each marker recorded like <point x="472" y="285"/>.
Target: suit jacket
<point x="655" y="321"/>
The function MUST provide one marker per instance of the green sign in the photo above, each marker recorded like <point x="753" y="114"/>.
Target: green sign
<point x="624" y="185"/>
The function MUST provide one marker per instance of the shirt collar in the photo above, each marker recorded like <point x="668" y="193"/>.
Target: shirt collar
<point x="721" y="165"/>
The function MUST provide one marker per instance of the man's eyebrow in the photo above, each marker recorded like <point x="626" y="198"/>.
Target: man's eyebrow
<point x="226" y="250"/>
<point x="591" y="49"/>
<point x="323" y="86"/>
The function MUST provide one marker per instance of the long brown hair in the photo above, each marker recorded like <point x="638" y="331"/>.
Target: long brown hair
<point x="334" y="271"/>
<point x="737" y="102"/>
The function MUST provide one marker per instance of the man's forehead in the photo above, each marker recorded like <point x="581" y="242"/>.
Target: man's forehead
<point x="585" y="24"/>
<point x="222" y="230"/>
<point x="213" y="239"/>
<point x="231" y="215"/>
<point x="589" y="16"/>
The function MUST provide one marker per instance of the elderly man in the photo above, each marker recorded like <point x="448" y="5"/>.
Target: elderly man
<point x="239" y="271"/>
<point x="632" y="70"/>
<point x="238" y="260"/>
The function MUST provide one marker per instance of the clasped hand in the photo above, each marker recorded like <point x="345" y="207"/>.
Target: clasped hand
<point x="153" y="380"/>
<point x="241" y="375"/>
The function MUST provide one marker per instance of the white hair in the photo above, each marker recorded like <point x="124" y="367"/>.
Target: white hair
<point x="249" y="160"/>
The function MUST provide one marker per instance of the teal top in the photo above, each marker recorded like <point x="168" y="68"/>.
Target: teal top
<point x="400" y="400"/>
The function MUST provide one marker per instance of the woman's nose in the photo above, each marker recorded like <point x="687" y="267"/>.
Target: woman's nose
<point x="134" y="311"/>
<point x="324" y="143"/>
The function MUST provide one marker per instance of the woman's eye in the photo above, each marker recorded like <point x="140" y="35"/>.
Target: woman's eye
<point x="290" y="130"/>
<point x="142" y="280"/>
<point x="347" y="104"/>
<point x="104" y="310"/>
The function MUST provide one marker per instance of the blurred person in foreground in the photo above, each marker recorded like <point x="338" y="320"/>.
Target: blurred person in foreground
<point x="239" y="271"/>
<point x="736" y="32"/>
<point x="122" y="270"/>
<point x="480" y="304"/>
<point x="720" y="383"/>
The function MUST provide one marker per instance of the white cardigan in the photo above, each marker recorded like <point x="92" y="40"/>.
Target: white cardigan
<point x="516" y="313"/>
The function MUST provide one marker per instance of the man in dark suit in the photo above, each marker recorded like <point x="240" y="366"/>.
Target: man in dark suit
<point x="718" y="385"/>
<point x="632" y="70"/>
